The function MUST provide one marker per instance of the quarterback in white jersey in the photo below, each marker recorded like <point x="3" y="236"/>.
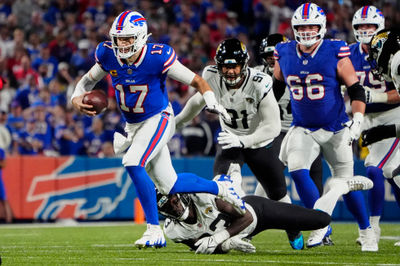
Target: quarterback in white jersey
<point x="208" y="225"/>
<point x="248" y="135"/>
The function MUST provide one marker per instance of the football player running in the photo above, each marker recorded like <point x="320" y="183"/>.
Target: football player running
<point x="384" y="56"/>
<point x="383" y="156"/>
<point x="208" y="225"/>
<point x="312" y="68"/>
<point x="266" y="52"/>
<point x="138" y="71"/>
<point x="247" y="136"/>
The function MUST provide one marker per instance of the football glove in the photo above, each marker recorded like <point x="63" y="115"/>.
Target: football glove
<point x="219" y="110"/>
<point x="237" y="243"/>
<point x="229" y="140"/>
<point x="354" y="126"/>
<point x="208" y="244"/>
<point x="376" y="134"/>
<point x="372" y="96"/>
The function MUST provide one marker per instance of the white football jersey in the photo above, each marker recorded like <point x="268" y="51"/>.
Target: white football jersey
<point x="395" y="70"/>
<point x="284" y="105"/>
<point x="242" y="104"/>
<point x="209" y="220"/>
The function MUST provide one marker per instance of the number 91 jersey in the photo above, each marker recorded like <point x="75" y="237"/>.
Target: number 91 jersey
<point x="242" y="104"/>
<point x="312" y="78"/>
<point x="140" y="88"/>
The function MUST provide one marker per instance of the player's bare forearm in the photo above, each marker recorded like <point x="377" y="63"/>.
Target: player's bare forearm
<point x="393" y="97"/>
<point x="200" y="84"/>
<point x="346" y="72"/>
<point x="357" y="106"/>
<point x="239" y="222"/>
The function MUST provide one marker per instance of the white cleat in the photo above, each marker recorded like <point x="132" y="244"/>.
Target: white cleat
<point x="316" y="236"/>
<point x="368" y="240"/>
<point x="227" y="193"/>
<point x="359" y="182"/>
<point x="375" y="228"/>
<point x="152" y="237"/>
<point x="397" y="244"/>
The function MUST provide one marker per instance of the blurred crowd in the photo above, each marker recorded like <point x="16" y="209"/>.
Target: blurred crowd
<point x="46" y="46"/>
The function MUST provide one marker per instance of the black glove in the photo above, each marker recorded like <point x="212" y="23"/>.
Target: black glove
<point x="376" y="134"/>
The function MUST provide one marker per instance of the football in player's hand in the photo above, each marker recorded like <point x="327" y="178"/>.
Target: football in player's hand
<point x="98" y="99"/>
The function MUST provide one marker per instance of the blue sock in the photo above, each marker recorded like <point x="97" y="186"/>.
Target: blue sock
<point x="146" y="192"/>
<point x="356" y="204"/>
<point x="395" y="189"/>
<point x="376" y="195"/>
<point x="191" y="183"/>
<point x="305" y="186"/>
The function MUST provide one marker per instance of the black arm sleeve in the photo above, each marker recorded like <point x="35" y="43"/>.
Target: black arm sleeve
<point x="278" y="87"/>
<point x="356" y="92"/>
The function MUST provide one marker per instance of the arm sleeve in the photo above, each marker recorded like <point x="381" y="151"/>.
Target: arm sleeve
<point x="89" y="80"/>
<point x="192" y="108"/>
<point x="270" y="124"/>
<point x="181" y="73"/>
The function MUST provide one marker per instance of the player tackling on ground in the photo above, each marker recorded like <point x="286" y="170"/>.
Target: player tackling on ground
<point x="138" y="71"/>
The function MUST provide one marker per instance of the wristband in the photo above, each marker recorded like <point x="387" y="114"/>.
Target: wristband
<point x="379" y="97"/>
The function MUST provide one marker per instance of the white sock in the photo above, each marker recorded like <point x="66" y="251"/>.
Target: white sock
<point x="260" y="191"/>
<point x="374" y="220"/>
<point x="285" y="199"/>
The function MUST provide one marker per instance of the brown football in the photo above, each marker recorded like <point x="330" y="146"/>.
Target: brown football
<point x="98" y="99"/>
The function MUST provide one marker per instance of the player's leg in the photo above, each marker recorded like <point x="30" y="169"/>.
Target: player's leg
<point x="316" y="174"/>
<point x="339" y="156"/>
<point x="268" y="169"/>
<point x="5" y="209"/>
<point x="334" y="188"/>
<point x="279" y="215"/>
<point x="298" y="151"/>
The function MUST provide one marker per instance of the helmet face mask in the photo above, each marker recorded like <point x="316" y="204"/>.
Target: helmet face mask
<point x="309" y="14"/>
<point x="367" y="15"/>
<point x="132" y="26"/>
<point x="230" y="55"/>
<point x="174" y="206"/>
<point x="266" y="50"/>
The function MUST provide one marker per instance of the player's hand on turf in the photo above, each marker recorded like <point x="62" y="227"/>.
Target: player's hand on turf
<point x="354" y="126"/>
<point x="376" y="134"/>
<point x="229" y="140"/>
<point x="78" y="104"/>
<point x="237" y="243"/>
<point x="220" y="110"/>
<point x="206" y="245"/>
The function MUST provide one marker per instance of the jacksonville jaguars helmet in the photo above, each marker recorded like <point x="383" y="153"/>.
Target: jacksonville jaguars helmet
<point x="267" y="48"/>
<point x="232" y="52"/>
<point x="382" y="48"/>
<point x="169" y="205"/>
<point x="129" y="24"/>
<point x="309" y="14"/>
<point x="367" y="15"/>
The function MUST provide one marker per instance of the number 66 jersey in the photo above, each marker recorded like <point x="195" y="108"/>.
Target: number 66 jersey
<point x="312" y="78"/>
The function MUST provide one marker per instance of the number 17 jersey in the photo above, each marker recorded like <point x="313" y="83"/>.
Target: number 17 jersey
<point x="312" y="78"/>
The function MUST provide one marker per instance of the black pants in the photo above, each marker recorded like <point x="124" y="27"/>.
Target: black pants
<point x="263" y="162"/>
<point x="279" y="215"/>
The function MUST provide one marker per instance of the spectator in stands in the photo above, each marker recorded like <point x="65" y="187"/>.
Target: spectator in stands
<point x="96" y="136"/>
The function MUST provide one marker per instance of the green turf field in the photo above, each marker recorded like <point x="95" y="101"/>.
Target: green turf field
<point x="113" y="245"/>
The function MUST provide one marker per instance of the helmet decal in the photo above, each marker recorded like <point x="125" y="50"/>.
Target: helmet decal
<point x="306" y="11"/>
<point x="121" y="20"/>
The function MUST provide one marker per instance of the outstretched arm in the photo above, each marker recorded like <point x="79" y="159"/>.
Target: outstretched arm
<point x="192" y="108"/>
<point x="379" y="133"/>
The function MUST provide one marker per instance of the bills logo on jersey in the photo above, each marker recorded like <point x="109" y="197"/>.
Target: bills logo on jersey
<point x="137" y="20"/>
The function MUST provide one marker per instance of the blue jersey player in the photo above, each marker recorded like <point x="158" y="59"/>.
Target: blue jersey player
<point x="313" y="68"/>
<point x="382" y="109"/>
<point x="138" y="71"/>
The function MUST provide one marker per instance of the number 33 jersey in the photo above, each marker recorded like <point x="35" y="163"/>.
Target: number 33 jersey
<point x="209" y="220"/>
<point x="312" y="78"/>
<point x="140" y="88"/>
<point x="242" y="103"/>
